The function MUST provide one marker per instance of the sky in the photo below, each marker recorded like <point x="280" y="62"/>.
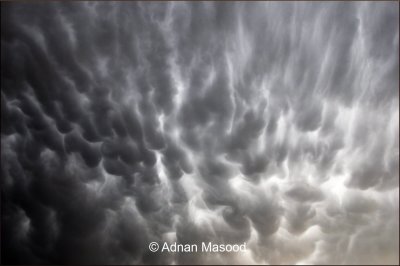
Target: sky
<point x="274" y="124"/>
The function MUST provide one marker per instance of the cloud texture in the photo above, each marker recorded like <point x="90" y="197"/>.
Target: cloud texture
<point x="275" y="124"/>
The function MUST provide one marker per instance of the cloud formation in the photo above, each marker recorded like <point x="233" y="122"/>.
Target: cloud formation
<point x="274" y="124"/>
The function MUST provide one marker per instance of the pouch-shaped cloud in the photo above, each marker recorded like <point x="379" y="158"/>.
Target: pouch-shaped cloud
<point x="274" y="124"/>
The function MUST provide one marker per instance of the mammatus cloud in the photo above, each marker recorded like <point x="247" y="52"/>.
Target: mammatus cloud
<point x="274" y="124"/>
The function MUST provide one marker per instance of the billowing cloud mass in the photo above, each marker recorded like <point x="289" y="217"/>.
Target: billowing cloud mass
<point x="274" y="124"/>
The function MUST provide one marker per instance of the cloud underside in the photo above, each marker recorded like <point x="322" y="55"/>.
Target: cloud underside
<point x="274" y="124"/>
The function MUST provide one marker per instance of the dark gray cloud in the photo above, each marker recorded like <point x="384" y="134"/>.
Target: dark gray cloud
<point x="274" y="124"/>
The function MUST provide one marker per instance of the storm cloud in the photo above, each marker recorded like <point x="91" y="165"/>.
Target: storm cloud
<point x="274" y="124"/>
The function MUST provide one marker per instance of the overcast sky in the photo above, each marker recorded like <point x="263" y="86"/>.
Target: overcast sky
<point x="274" y="124"/>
